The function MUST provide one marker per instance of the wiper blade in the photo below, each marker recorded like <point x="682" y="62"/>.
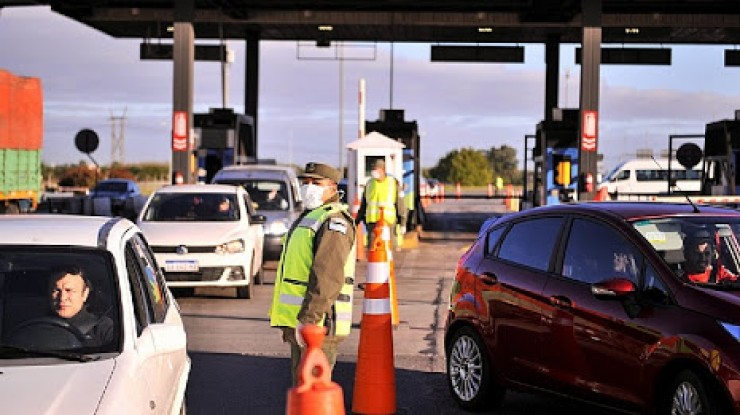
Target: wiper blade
<point x="13" y="352"/>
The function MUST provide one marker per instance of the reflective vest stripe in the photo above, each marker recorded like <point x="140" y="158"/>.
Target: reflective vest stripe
<point x="376" y="306"/>
<point x="311" y="223"/>
<point x="291" y="299"/>
<point x="378" y="272"/>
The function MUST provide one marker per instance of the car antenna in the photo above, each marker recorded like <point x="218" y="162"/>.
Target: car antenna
<point x="693" y="205"/>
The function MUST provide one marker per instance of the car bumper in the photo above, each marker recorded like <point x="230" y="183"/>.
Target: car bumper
<point x="205" y="270"/>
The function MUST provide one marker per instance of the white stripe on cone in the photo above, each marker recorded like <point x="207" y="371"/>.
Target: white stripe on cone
<point x="378" y="272"/>
<point x="376" y="306"/>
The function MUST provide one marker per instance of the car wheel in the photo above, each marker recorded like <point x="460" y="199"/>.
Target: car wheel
<point x="469" y="373"/>
<point x="244" y="291"/>
<point x="259" y="274"/>
<point x="687" y="394"/>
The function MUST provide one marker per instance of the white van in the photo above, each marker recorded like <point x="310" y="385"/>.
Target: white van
<point x="650" y="177"/>
<point x="275" y="191"/>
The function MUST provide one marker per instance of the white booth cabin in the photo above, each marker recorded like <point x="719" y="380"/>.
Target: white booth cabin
<point x="362" y="153"/>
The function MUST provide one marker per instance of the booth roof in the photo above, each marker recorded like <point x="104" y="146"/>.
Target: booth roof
<point x="375" y="140"/>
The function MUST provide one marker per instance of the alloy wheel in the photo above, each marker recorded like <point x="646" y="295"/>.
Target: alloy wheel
<point x="686" y="400"/>
<point x="466" y="368"/>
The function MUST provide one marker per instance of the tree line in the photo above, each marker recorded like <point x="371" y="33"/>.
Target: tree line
<point x="468" y="166"/>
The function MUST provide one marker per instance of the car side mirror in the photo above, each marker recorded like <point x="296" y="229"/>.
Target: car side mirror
<point x="613" y="289"/>
<point x="258" y="219"/>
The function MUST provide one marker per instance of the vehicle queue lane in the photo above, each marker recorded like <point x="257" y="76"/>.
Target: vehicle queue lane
<point x="241" y="365"/>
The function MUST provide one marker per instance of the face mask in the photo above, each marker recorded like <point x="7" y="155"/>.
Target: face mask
<point x="375" y="174"/>
<point x="312" y="195"/>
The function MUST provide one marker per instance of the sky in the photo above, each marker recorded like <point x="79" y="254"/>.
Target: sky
<point x="308" y="107"/>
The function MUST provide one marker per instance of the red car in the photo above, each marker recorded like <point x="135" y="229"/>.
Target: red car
<point x="633" y="306"/>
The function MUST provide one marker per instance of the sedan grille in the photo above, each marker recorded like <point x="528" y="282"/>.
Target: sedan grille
<point x="191" y="249"/>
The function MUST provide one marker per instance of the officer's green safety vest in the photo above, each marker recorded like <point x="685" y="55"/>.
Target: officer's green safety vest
<point x="292" y="276"/>
<point x="381" y="194"/>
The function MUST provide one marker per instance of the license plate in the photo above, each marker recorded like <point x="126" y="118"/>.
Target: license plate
<point x="181" y="266"/>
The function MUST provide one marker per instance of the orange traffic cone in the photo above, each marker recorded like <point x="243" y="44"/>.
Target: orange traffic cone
<point x="315" y="393"/>
<point x="602" y="195"/>
<point x="375" y="377"/>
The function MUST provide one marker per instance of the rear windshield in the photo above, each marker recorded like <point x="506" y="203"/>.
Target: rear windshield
<point x="699" y="249"/>
<point x="266" y="195"/>
<point x="117" y="187"/>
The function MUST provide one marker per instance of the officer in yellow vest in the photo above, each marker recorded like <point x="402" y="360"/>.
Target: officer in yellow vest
<point x="382" y="191"/>
<point x="315" y="275"/>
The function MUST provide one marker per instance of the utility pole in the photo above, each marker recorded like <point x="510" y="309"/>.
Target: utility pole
<point x="118" y="147"/>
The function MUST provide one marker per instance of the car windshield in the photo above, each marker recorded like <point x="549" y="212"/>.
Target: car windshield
<point x="265" y="194"/>
<point x="699" y="249"/>
<point x="192" y="207"/>
<point x="57" y="299"/>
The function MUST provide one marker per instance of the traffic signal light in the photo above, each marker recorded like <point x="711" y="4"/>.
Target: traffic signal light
<point x="562" y="175"/>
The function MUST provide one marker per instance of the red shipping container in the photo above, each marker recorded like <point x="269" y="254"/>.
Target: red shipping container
<point x="21" y="112"/>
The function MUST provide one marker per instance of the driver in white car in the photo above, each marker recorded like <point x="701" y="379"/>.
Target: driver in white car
<point x="69" y="291"/>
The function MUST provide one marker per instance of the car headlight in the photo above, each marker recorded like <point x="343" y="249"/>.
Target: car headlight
<point x="734" y="330"/>
<point x="231" y="247"/>
<point x="277" y="227"/>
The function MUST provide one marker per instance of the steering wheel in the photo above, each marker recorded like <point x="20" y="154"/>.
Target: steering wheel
<point x="46" y="333"/>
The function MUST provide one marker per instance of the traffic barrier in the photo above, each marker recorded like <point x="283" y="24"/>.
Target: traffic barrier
<point x="375" y="377"/>
<point x="490" y="190"/>
<point x="442" y="191"/>
<point x="457" y="190"/>
<point x="316" y="393"/>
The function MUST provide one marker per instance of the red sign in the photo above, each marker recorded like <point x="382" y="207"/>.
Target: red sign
<point x="180" y="131"/>
<point x="589" y="129"/>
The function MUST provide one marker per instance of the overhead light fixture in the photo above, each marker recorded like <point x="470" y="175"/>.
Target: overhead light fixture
<point x="170" y="28"/>
<point x="485" y="29"/>
<point x="326" y="28"/>
<point x="631" y="31"/>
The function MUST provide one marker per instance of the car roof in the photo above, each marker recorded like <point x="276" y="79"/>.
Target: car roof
<point x="246" y="171"/>
<point x="632" y="210"/>
<point x="60" y="230"/>
<point x="198" y="188"/>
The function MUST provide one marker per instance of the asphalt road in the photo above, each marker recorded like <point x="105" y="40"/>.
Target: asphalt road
<point x="241" y="366"/>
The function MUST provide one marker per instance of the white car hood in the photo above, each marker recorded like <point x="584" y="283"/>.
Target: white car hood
<point x="62" y="388"/>
<point x="196" y="234"/>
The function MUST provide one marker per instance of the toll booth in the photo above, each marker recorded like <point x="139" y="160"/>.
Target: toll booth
<point x="555" y="157"/>
<point x="392" y="124"/>
<point x="361" y="155"/>
<point x="222" y="138"/>
<point x="721" y="172"/>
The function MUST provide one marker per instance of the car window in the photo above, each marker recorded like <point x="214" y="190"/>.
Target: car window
<point x="59" y="299"/>
<point x="596" y="252"/>
<point x="151" y="280"/>
<point x="492" y="239"/>
<point x="531" y="242"/>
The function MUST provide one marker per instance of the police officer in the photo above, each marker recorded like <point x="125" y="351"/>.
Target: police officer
<point x="382" y="191"/>
<point x="315" y="275"/>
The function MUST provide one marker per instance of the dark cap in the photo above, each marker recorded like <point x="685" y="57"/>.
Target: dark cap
<point x="379" y="164"/>
<point x="321" y="171"/>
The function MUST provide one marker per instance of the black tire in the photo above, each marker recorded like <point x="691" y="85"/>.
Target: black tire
<point x="688" y="394"/>
<point x="470" y="374"/>
<point x="244" y="291"/>
<point x="259" y="275"/>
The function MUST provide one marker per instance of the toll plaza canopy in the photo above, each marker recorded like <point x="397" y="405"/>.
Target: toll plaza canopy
<point x="478" y="21"/>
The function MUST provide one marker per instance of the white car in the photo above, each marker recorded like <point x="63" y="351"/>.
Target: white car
<point x="123" y="351"/>
<point x="197" y="244"/>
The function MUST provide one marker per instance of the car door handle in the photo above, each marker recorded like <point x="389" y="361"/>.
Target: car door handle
<point x="561" y="301"/>
<point x="489" y="278"/>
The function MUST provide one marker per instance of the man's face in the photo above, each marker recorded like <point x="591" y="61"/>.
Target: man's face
<point x="698" y="257"/>
<point x="68" y="295"/>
